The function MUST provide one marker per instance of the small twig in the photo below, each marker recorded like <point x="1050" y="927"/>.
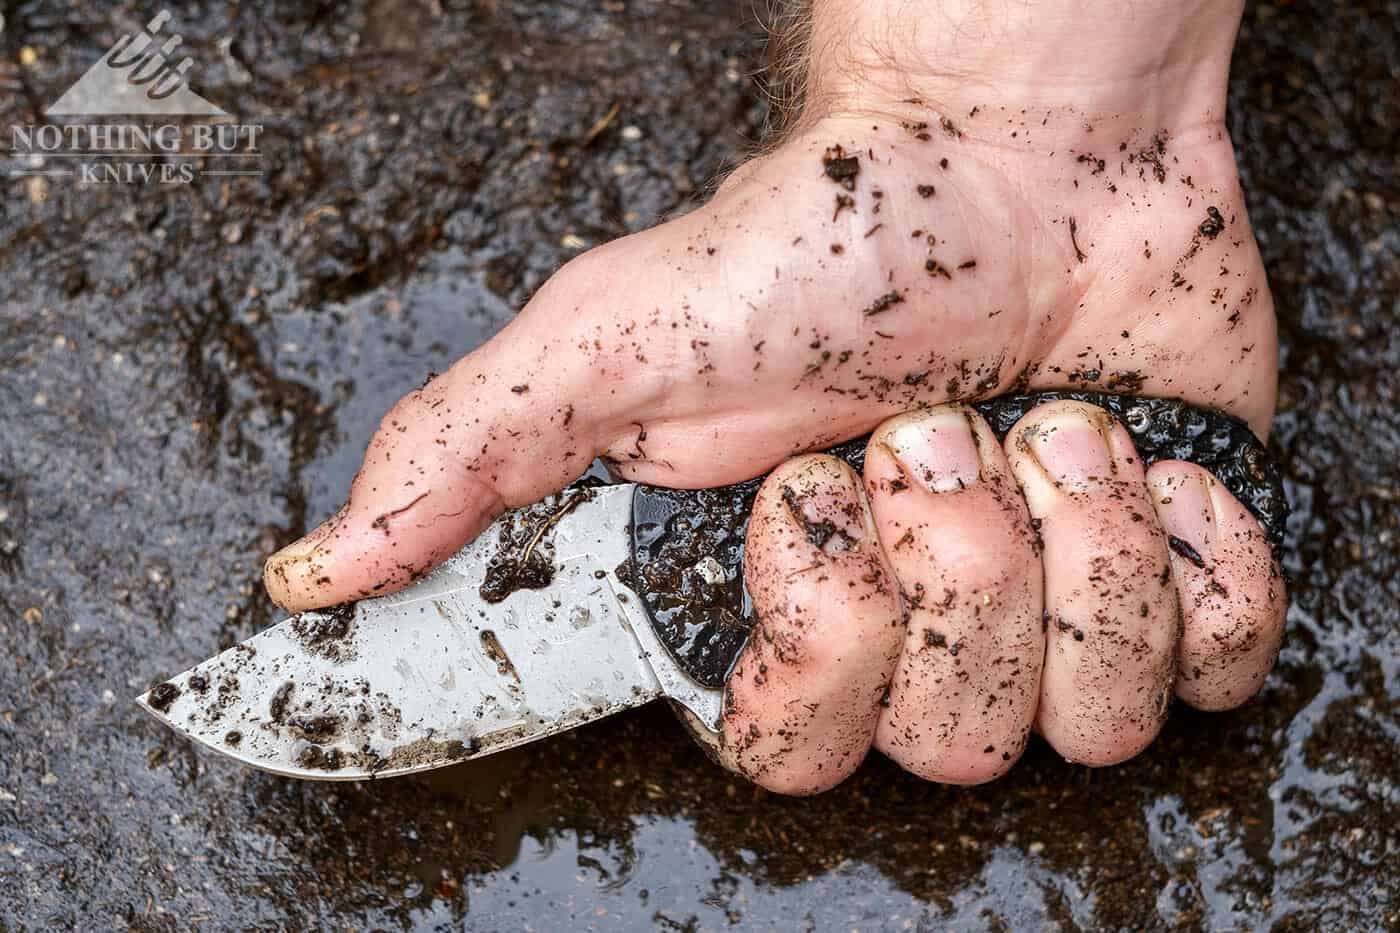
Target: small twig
<point x="602" y="124"/>
<point x="549" y="523"/>
<point x="1074" y="240"/>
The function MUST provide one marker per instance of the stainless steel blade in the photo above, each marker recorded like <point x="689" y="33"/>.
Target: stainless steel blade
<point x="434" y="674"/>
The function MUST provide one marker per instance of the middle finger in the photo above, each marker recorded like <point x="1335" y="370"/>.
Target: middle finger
<point x="959" y="539"/>
<point x="1111" y="608"/>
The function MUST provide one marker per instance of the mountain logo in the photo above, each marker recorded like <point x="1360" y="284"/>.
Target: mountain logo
<point x="138" y="76"/>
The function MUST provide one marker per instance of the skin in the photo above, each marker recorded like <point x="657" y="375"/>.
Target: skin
<point x="804" y="699"/>
<point x="959" y="536"/>
<point x="973" y="198"/>
<point x="1112" y="618"/>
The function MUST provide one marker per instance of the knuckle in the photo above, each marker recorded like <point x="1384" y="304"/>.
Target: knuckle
<point x="1232" y="632"/>
<point x="987" y="572"/>
<point x="788" y="636"/>
<point x="573" y="277"/>
<point x="396" y="421"/>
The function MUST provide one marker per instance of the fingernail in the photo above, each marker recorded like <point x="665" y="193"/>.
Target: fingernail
<point x="307" y="544"/>
<point x="937" y="449"/>
<point x="824" y="502"/>
<point x="1071" y="447"/>
<point x="302" y="547"/>
<point x="1185" y="509"/>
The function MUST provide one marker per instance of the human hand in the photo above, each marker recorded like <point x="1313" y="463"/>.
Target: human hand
<point x="917" y="239"/>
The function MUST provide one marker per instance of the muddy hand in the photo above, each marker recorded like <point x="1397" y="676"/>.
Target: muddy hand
<point x="1067" y="213"/>
<point x="968" y="591"/>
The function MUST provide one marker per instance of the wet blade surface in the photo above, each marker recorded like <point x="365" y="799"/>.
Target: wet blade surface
<point x="435" y="674"/>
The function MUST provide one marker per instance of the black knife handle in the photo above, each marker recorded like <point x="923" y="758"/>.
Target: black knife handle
<point x="688" y="544"/>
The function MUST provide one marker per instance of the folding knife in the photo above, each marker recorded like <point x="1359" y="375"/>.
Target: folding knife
<point x="598" y="599"/>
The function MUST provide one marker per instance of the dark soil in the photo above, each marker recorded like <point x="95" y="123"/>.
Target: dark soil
<point x="524" y="556"/>
<point x="326" y="632"/>
<point x="188" y="376"/>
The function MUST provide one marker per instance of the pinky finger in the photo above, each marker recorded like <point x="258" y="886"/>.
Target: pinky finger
<point x="1231" y="591"/>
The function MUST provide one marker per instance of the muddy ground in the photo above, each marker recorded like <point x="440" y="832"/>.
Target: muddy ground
<point x="189" y="373"/>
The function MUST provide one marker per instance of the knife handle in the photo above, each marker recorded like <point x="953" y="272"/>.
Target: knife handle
<point x="688" y="544"/>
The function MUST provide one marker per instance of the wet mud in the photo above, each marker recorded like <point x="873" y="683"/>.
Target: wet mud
<point x="326" y="632"/>
<point x="188" y="376"/>
<point x="524" y="556"/>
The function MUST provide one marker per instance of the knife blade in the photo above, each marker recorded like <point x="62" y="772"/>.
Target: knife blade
<point x="436" y="673"/>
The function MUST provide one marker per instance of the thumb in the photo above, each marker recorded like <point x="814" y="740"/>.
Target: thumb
<point x="509" y="424"/>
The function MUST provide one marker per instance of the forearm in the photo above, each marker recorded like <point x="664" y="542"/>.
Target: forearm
<point x="1165" y="61"/>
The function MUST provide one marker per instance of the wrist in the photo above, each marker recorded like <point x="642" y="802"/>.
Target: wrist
<point x="1046" y="71"/>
